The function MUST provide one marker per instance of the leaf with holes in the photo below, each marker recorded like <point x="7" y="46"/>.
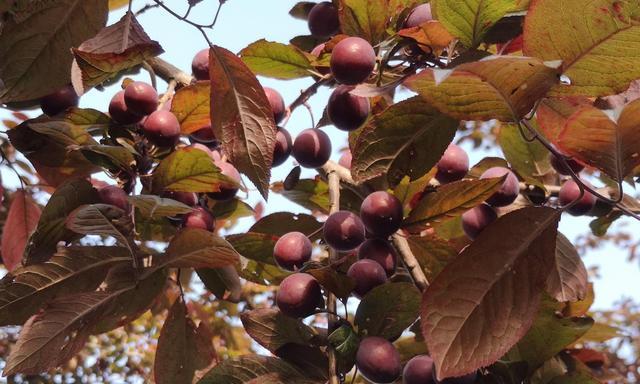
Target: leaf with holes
<point x="21" y="221"/>
<point x="191" y="105"/>
<point x="198" y="248"/>
<point x="568" y="280"/>
<point x="276" y="60"/>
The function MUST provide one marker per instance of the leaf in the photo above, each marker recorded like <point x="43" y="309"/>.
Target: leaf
<point x="599" y="333"/>
<point x="364" y="18"/>
<point x="222" y="282"/>
<point x="254" y="369"/>
<point x="345" y="342"/>
<point x="21" y="221"/>
<point x="198" y="248"/>
<point x="116" y="4"/>
<point x="101" y="219"/>
<point x="485" y="299"/>
<point x="451" y="200"/>
<point x="470" y="20"/>
<point x="280" y="223"/>
<point x="189" y="170"/>
<point x="604" y="33"/>
<point x="36" y="50"/>
<point x="432" y="253"/>
<point x="257" y="260"/>
<point x="109" y="157"/>
<point x="529" y="159"/>
<point x="114" y="49"/>
<point x="241" y="117"/>
<point x="191" y="105"/>
<point x="333" y="281"/>
<point x="51" y="227"/>
<point x="313" y="194"/>
<point x="408" y="138"/>
<point x="431" y="35"/>
<point x="387" y="310"/>
<point x="568" y="280"/>
<point x="408" y="191"/>
<point x="231" y="209"/>
<point x="155" y="206"/>
<point x="276" y="60"/>
<point x="73" y="269"/>
<point x="497" y="87"/>
<point x="273" y="330"/>
<point x="301" y="9"/>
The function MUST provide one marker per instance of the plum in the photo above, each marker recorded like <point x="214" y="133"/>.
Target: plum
<point x="299" y="295"/>
<point x="352" y="60"/>
<point x="199" y="218"/>
<point x="367" y="275"/>
<point x="283" y="147"/>
<point x="419" y="15"/>
<point x="312" y="148"/>
<point x="323" y="20"/>
<point x="380" y="251"/>
<point x="277" y="104"/>
<point x="453" y="165"/>
<point x="346" y="111"/>
<point x="343" y="231"/>
<point x="59" y="101"/>
<point x="119" y="112"/>
<point x="477" y="219"/>
<point x="569" y="192"/>
<point x="200" y="65"/>
<point x="509" y="191"/>
<point x="378" y="360"/>
<point x="381" y="213"/>
<point x="292" y="250"/>
<point x="114" y="195"/>
<point x="418" y="370"/>
<point x="162" y="128"/>
<point x="141" y="99"/>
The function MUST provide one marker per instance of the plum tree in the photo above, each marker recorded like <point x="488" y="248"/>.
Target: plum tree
<point x="352" y="60"/>
<point x="199" y="218"/>
<point x="200" y="65"/>
<point x="292" y="250"/>
<point x="367" y="274"/>
<point x="477" y="219"/>
<point x="140" y="98"/>
<point x="59" y="101"/>
<point x="557" y="164"/>
<point x="283" y="147"/>
<point x="570" y="192"/>
<point x="114" y="195"/>
<point x="418" y="370"/>
<point x="510" y="189"/>
<point x="453" y="165"/>
<point x="162" y="128"/>
<point x="277" y="104"/>
<point x="419" y="15"/>
<point x="380" y="251"/>
<point x="378" y="360"/>
<point x="119" y="111"/>
<point x="381" y="213"/>
<point x="312" y="148"/>
<point x="343" y="231"/>
<point x="227" y="169"/>
<point x="323" y="19"/>
<point x="299" y="295"/>
<point x="346" y="111"/>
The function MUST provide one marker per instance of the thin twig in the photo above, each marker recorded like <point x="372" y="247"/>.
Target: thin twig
<point x="152" y="74"/>
<point x="334" y="198"/>
<point x="306" y="95"/>
<point x="402" y="246"/>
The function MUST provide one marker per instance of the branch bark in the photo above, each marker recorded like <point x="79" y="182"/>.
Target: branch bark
<point x="167" y="71"/>
<point x="410" y="261"/>
<point x="334" y="198"/>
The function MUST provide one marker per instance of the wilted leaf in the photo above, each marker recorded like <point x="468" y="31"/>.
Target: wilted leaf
<point x="485" y="299"/>
<point x="155" y="206"/>
<point x="568" y="279"/>
<point x="600" y="50"/>
<point x="432" y="253"/>
<point x="36" y="52"/>
<point x="21" y="221"/>
<point x="273" y="330"/>
<point x="198" y="248"/>
<point x="364" y="18"/>
<point x="408" y="138"/>
<point x="258" y="264"/>
<point x="276" y="60"/>
<point x="114" y="49"/>
<point x="254" y="369"/>
<point x="241" y="117"/>
<point x="498" y="87"/>
<point x="529" y="159"/>
<point x="191" y="105"/>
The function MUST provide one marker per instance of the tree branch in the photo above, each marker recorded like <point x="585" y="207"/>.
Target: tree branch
<point x="334" y="198"/>
<point x="167" y="71"/>
<point x="410" y="261"/>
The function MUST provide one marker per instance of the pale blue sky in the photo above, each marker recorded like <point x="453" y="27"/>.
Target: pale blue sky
<point x="244" y="21"/>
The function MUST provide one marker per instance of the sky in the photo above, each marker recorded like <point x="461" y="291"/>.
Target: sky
<point x="242" y="22"/>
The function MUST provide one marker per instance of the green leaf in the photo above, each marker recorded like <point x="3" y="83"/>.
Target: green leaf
<point x="36" y="50"/>
<point x="486" y="298"/>
<point x="529" y="159"/>
<point x="408" y="138"/>
<point x="470" y="20"/>
<point x="241" y="117"/>
<point x="451" y="200"/>
<point x="603" y="33"/>
<point x="568" y="280"/>
<point x="497" y="87"/>
<point x="191" y="105"/>
<point x="408" y="191"/>
<point x="345" y="342"/>
<point x="198" y="248"/>
<point x="276" y="60"/>
<point x="109" y="157"/>
<point x="432" y="253"/>
<point x="273" y="330"/>
<point x="155" y="206"/>
<point x="258" y="264"/>
<point x="231" y="209"/>
<point x="250" y="369"/>
<point x="600" y="332"/>
<point x="189" y="170"/>
<point x="364" y="18"/>
<point x="387" y="310"/>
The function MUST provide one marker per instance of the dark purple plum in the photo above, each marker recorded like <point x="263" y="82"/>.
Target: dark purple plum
<point x="381" y="213"/>
<point x="323" y="19"/>
<point x="380" y="251"/>
<point x="292" y="250"/>
<point x="299" y="295"/>
<point x="569" y="192"/>
<point x="509" y="191"/>
<point x="277" y="104"/>
<point x="141" y="98"/>
<point x="419" y="15"/>
<point x="378" y="360"/>
<point x="186" y="198"/>
<point x="477" y="219"/>
<point x="453" y="165"/>
<point x="283" y="147"/>
<point x="352" y="60"/>
<point x="114" y="195"/>
<point x="312" y="148"/>
<point x="162" y="128"/>
<point x="59" y="101"/>
<point x="345" y="159"/>
<point x="199" y="218"/>
<point x="200" y="65"/>
<point x="343" y="231"/>
<point x="556" y="163"/>
<point x="367" y="275"/>
<point x="231" y="172"/>
<point x="418" y="370"/>
<point x="346" y="111"/>
<point x="119" y="112"/>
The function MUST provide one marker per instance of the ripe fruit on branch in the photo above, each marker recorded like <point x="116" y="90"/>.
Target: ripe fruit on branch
<point x="283" y="147"/>
<point x="200" y="65"/>
<point x="299" y="295"/>
<point x="343" y="231"/>
<point x="477" y="219"/>
<point x="114" y="195"/>
<point x="119" y="112"/>
<point x="418" y="370"/>
<point x="570" y="192"/>
<point x="557" y="164"/>
<point x="419" y="15"/>
<point x="453" y="165"/>
<point x="312" y="148"/>
<point x="227" y="169"/>
<point x="380" y="251"/>
<point x="199" y="218"/>
<point x="352" y="60"/>
<point x="378" y="360"/>
<point x="292" y="250"/>
<point x="323" y="19"/>
<point x="346" y="111"/>
<point x="381" y="213"/>
<point x="367" y="274"/>
<point x="141" y="98"/>
<point x="162" y="128"/>
<point x="509" y="191"/>
<point x="277" y="104"/>
<point x="59" y="101"/>
<point x="345" y="159"/>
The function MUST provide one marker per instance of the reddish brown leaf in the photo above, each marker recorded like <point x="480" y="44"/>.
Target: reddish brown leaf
<point x="486" y="299"/>
<point x="568" y="280"/>
<point x="22" y="219"/>
<point x="429" y="35"/>
<point x="191" y="106"/>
